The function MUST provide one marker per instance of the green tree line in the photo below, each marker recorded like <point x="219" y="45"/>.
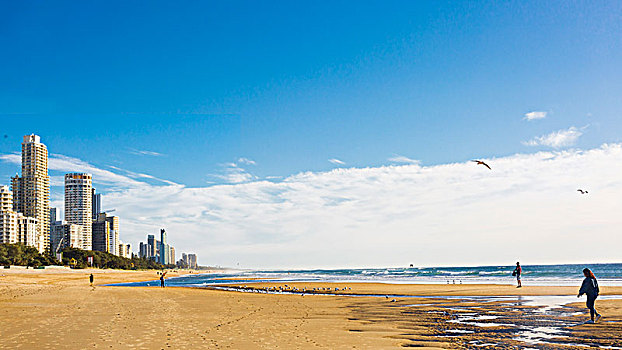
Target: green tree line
<point x="21" y="255"/>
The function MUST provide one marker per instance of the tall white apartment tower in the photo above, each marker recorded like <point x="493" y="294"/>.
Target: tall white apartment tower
<point x="8" y="218"/>
<point x="31" y="191"/>
<point x="78" y="205"/>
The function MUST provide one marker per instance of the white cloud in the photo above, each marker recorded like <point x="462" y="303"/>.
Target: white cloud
<point x="535" y="115"/>
<point x="145" y="153"/>
<point x="235" y="174"/>
<point x="247" y="161"/>
<point x="448" y="214"/>
<point x="395" y="215"/>
<point x="336" y="161"/>
<point x="404" y="159"/>
<point x="557" y="139"/>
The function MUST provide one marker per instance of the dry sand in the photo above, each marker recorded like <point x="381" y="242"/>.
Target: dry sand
<point x="47" y="309"/>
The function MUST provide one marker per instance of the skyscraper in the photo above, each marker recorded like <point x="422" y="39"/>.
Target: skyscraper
<point x="164" y="249"/>
<point x="64" y="235"/>
<point x="101" y="234"/>
<point x="151" y="247"/>
<point x="54" y="215"/>
<point x="97" y="204"/>
<point x="8" y="218"/>
<point x="114" y="239"/>
<point x="78" y="205"/>
<point x="192" y="261"/>
<point x="142" y="250"/>
<point x="31" y="191"/>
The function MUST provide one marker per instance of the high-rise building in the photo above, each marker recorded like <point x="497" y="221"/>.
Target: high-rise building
<point x="101" y="234"/>
<point x="171" y="257"/>
<point x="142" y="250"/>
<point x="31" y="191"/>
<point x="128" y="250"/>
<point x="164" y="248"/>
<point x="6" y="199"/>
<point x="27" y="232"/>
<point x="78" y="205"/>
<point x="54" y="215"/>
<point x="105" y="237"/>
<point x="64" y="235"/>
<point x="192" y="261"/>
<point x="8" y="218"/>
<point x="121" y="248"/>
<point x="114" y="238"/>
<point x="151" y="247"/>
<point x="96" y="199"/>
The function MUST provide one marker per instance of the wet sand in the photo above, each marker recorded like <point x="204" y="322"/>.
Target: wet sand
<point x="58" y="309"/>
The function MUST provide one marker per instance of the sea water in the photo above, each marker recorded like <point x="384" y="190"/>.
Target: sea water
<point x="558" y="275"/>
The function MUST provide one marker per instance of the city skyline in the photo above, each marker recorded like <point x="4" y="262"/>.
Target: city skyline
<point x="270" y="140"/>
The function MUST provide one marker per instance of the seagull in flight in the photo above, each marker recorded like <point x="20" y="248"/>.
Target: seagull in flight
<point x="479" y="162"/>
<point x="582" y="191"/>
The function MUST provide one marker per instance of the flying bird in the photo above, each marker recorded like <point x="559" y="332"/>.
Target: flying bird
<point x="479" y="162"/>
<point x="582" y="191"/>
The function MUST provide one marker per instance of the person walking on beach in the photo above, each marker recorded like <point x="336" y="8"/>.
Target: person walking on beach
<point x="162" y="279"/>
<point x="590" y="288"/>
<point x="517" y="271"/>
<point x="91" y="279"/>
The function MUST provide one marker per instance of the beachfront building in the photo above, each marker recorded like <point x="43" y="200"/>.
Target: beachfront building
<point x="105" y="237"/>
<point x="121" y="249"/>
<point x="78" y="205"/>
<point x="54" y="215"/>
<point x="8" y="218"/>
<point x="31" y="191"/>
<point x="142" y="250"/>
<point x="28" y="232"/>
<point x="128" y="250"/>
<point x="101" y="234"/>
<point x="153" y="248"/>
<point x="114" y="238"/>
<point x="63" y="235"/>
<point x="96" y="200"/>
<point x="165" y="249"/>
<point x="192" y="261"/>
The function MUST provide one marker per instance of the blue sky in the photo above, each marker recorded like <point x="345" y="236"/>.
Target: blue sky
<point x="209" y="93"/>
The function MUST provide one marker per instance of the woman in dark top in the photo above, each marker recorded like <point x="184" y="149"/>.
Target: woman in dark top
<point x="589" y="287"/>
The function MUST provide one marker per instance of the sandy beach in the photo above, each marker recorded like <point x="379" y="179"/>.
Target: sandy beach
<point x="43" y="309"/>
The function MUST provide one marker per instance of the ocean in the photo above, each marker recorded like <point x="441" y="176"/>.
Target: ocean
<point x="561" y="275"/>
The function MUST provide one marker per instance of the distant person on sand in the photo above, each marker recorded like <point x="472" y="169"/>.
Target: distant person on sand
<point x="91" y="279"/>
<point x="162" y="279"/>
<point x="589" y="287"/>
<point x="517" y="271"/>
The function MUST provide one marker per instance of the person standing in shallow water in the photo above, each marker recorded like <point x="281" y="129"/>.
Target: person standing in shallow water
<point x="589" y="287"/>
<point x="517" y="271"/>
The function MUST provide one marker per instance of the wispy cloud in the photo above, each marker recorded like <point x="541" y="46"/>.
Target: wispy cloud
<point x="336" y="161"/>
<point x="64" y="164"/>
<point x="557" y="139"/>
<point x="233" y="173"/>
<point x="246" y="161"/>
<point x="145" y="153"/>
<point x="404" y="159"/>
<point x="535" y="115"/>
<point x="142" y="176"/>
